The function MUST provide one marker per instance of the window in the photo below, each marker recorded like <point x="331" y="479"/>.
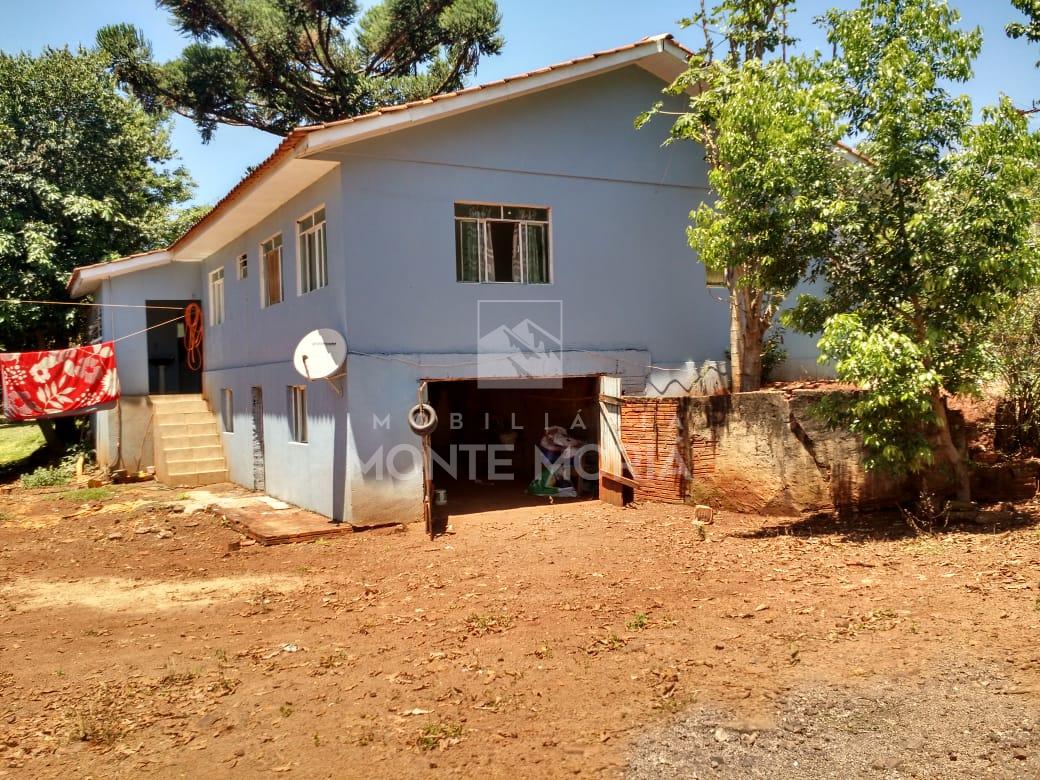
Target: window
<point x="271" y="271"/>
<point x="298" y="413"/>
<point x="501" y="244"/>
<point x="227" y="410"/>
<point x="313" y="255"/>
<point x="242" y="266"/>
<point x="216" y="296"/>
<point x="714" y="278"/>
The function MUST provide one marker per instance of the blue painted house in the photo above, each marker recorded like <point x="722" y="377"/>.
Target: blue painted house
<point x="527" y="208"/>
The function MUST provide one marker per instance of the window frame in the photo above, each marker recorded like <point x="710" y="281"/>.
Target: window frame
<point x="217" y="313"/>
<point x="323" y="227"/>
<point x="714" y="279"/>
<point x="263" y="270"/>
<point x="227" y="410"/>
<point x="297" y="414"/>
<point x="242" y="266"/>
<point x="482" y="271"/>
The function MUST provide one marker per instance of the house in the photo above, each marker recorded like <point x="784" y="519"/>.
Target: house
<point x="514" y="254"/>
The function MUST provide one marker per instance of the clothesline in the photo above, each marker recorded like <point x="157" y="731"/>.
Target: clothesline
<point x="85" y="303"/>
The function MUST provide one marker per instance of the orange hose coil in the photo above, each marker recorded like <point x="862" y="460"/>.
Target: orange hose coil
<point x="193" y="332"/>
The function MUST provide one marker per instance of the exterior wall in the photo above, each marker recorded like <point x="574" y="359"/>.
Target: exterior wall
<point x="177" y="281"/>
<point x="130" y="423"/>
<point x="619" y="207"/>
<point x="254" y="347"/>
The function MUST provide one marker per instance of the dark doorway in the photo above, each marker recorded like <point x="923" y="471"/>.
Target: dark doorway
<point x="168" y="372"/>
<point x="486" y="446"/>
<point x="259" y="468"/>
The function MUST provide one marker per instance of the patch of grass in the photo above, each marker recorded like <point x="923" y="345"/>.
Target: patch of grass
<point x="46" y="476"/>
<point x="88" y="494"/>
<point x="437" y="736"/>
<point x="638" y="622"/>
<point x="18" y="442"/>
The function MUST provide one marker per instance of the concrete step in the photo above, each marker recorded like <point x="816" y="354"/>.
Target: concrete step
<point x="197" y="478"/>
<point x="194" y="466"/>
<point x="184" y="441"/>
<point x="178" y="403"/>
<point x="195" y="452"/>
<point x="169" y="430"/>
<point x="183" y="418"/>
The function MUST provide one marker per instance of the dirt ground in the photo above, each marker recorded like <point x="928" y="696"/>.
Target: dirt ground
<point x="571" y="639"/>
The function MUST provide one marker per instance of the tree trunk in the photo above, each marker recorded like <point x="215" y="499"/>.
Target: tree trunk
<point x="50" y="436"/>
<point x="751" y="363"/>
<point x="736" y="339"/>
<point x="953" y="455"/>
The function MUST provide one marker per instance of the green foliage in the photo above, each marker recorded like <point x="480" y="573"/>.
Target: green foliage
<point x="938" y="232"/>
<point x="276" y="64"/>
<point x="774" y="353"/>
<point x="770" y="133"/>
<point x="47" y="476"/>
<point x="1015" y="337"/>
<point x="85" y="174"/>
<point x="894" y="411"/>
<point x="1030" y="28"/>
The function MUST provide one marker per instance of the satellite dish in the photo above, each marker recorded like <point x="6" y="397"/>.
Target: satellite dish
<point x="320" y="354"/>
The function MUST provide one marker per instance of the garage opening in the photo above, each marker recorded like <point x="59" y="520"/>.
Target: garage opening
<point x="503" y="446"/>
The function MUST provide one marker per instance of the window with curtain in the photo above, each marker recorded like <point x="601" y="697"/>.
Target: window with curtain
<point x="271" y="267"/>
<point x="313" y="255"/>
<point x="501" y="244"/>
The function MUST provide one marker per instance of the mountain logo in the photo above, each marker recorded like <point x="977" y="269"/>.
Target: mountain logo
<point x="520" y="340"/>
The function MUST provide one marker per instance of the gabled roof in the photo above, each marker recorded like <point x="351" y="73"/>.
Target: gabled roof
<point x="87" y="278"/>
<point x="293" y="165"/>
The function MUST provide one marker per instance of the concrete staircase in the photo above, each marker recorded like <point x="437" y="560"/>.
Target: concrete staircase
<point x="188" y="447"/>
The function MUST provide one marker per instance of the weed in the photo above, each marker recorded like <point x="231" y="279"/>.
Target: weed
<point x="638" y="622"/>
<point x="183" y="497"/>
<point x="437" y="736"/>
<point x="88" y="494"/>
<point x="317" y="741"/>
<point x="177" y="678"/>
<point x="479" y="625"/>
<point x="610" y="643"/>
<point x="285" y="710"/>
<point x="543" y="652"/>
<point x="99" y="721"/>
<point x="47" y="477"/>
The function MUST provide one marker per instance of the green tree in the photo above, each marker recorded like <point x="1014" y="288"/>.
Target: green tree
<point x="1030" y="28"/>
<point x="1015" y="337"/>
<point x="769" y="137"/>
<point x="276" y="64"/>
<point x="85" y="174"/>
<point x="938" y="236"/>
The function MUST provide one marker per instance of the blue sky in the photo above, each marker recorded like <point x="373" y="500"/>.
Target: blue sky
<point x="537" y="32"/>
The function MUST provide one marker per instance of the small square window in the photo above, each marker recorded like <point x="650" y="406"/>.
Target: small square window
<point x="227" y="410"/>
<point x="298" y="413"/>
<point x="243" y="266"/>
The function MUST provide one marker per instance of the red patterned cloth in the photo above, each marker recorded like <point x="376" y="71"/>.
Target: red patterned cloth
<point x="59" y="383"/>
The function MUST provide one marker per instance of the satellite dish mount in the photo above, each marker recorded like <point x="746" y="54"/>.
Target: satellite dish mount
<point x="321" y="354"/>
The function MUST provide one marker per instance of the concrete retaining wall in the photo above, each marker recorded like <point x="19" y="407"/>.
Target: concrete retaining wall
<point x="766" y="452"/>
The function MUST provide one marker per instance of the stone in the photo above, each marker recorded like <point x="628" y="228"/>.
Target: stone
<point x="115" y="536"/>
<point x="165" y="534"/>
